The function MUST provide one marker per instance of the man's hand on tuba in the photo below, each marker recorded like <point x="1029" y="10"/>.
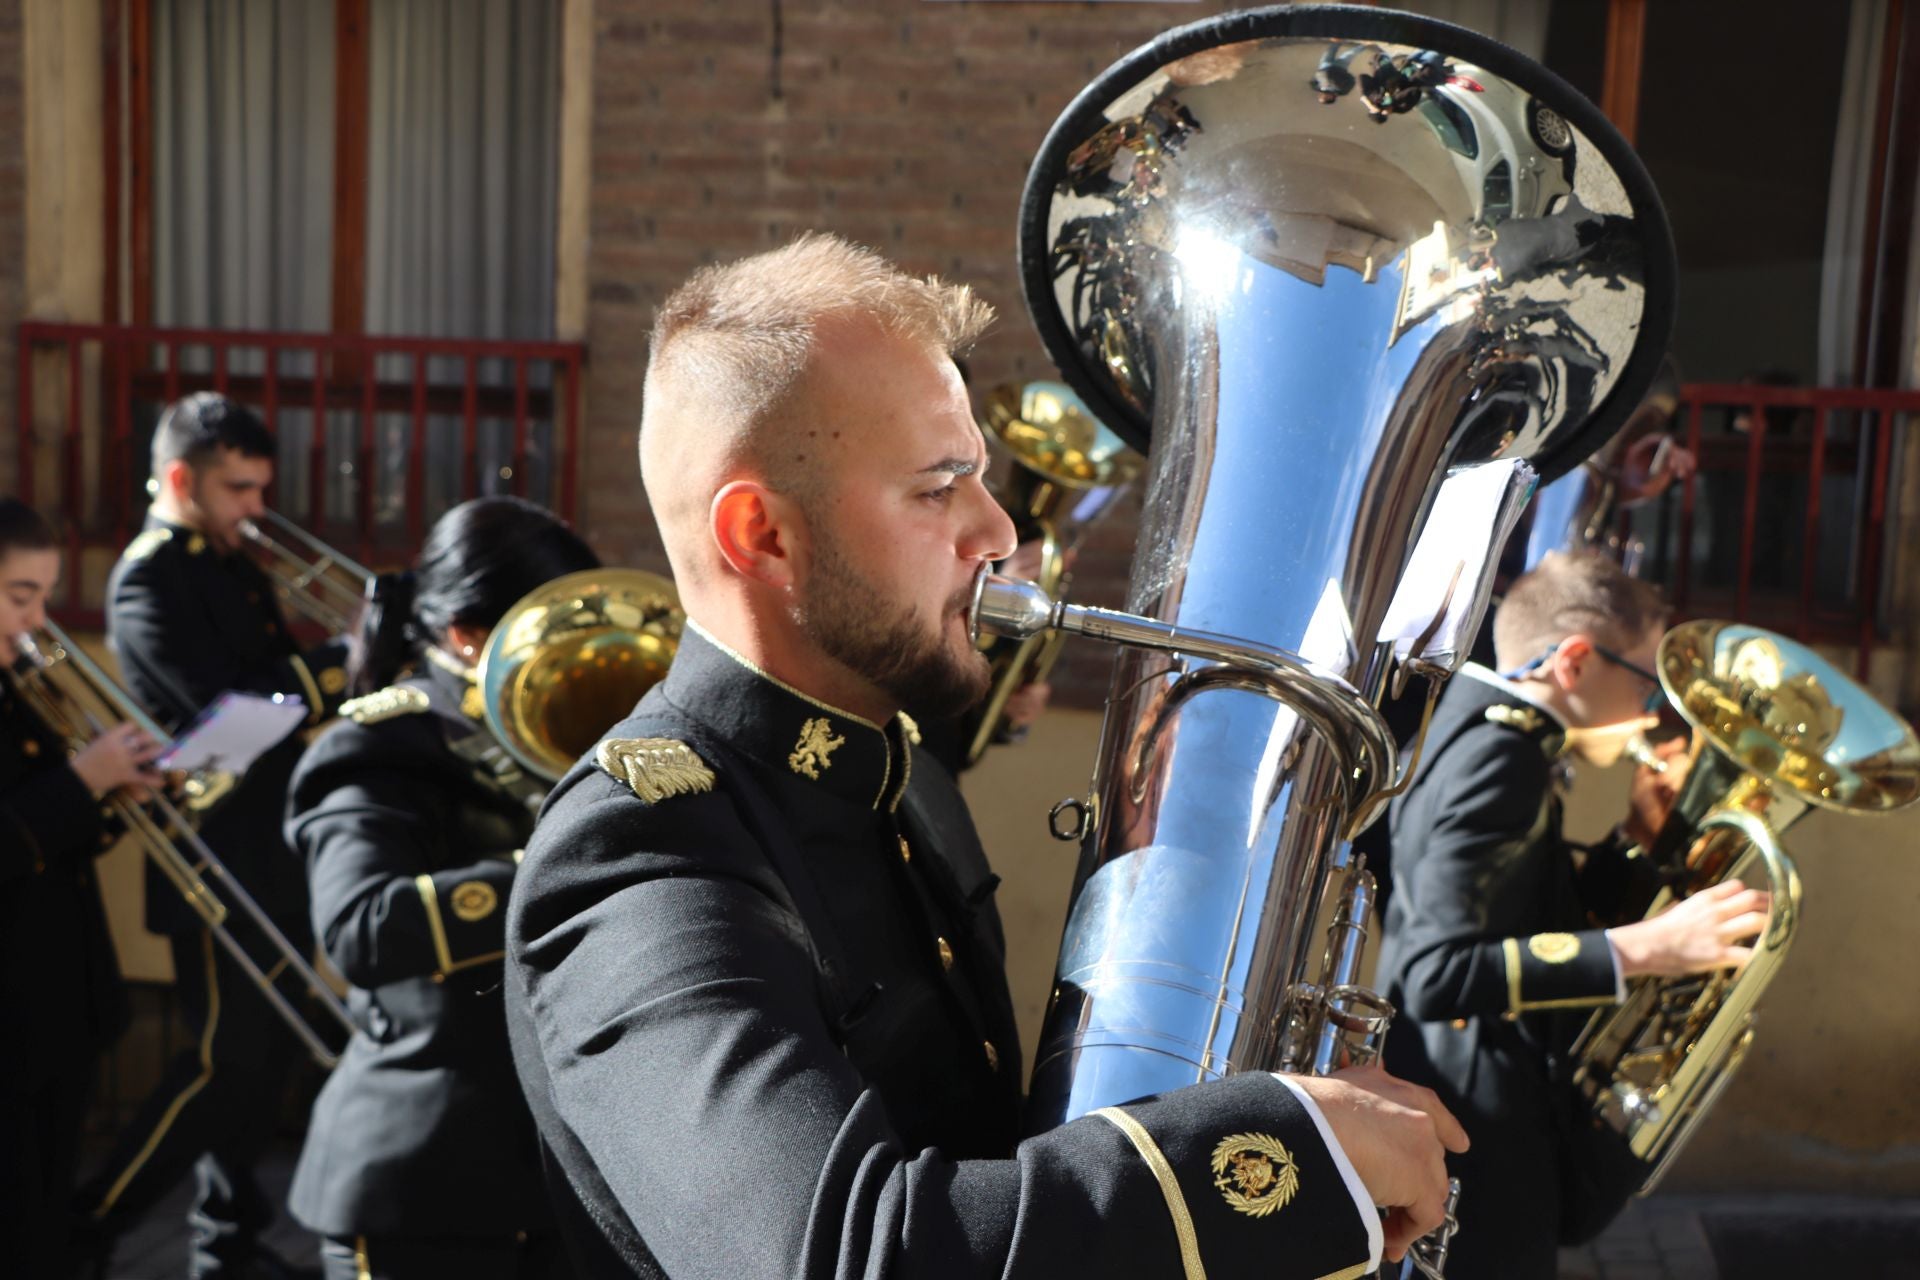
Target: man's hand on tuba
<point x="1396" y="1135"/>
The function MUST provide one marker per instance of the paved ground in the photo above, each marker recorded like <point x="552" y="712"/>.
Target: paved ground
<point x="1667" y="1237"/>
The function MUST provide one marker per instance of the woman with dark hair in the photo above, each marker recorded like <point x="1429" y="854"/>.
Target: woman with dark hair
<point x="421" y="1158"/>
<point x="60" y="998"/>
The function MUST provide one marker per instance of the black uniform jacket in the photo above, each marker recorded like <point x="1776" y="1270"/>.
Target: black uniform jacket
<point x="756" y="993"/>
<point x="410" y="849"/>
<point x="1488" y="924"/>
<point x="188" y="623"/>
<point x="60" y="996"/>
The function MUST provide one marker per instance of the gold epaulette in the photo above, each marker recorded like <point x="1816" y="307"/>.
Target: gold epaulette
<point x="384" y="704"/>
<point x="1525" y="719"/>
<point x="143" y="547"/>
<point x="656" y="768"/>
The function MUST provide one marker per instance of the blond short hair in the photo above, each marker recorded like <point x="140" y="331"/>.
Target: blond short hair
<point x="730" y="349"/>
<point x="1574" y="593"/>
<point x="743" y="332"/>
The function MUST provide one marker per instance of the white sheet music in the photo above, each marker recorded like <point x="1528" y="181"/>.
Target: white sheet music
<point x="235" y="730"/>
<point x="1454" y="563"/>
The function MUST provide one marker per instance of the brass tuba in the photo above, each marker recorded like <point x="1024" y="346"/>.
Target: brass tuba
<point x="570" y="658"/>
<point x="1777" y="730"/>
<point x="1069" y="470"/>
<point x="78" y="700"/>
<point x="1312" y="307"/>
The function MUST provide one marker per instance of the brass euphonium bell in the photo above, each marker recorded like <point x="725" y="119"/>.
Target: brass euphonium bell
<point x="1069" y="470"/>
<point x="1777" y="731"/>
<point x="570" y="658"/>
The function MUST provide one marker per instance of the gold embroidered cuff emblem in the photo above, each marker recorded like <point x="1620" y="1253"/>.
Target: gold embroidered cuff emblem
<point x="1254" y="1173"/>
<point x="332" y="680"/>
<point x="474" y="900"/>
<point x="816" y="744"/>
<point x="1553" y="948"/>
<point x="655" y="768"/>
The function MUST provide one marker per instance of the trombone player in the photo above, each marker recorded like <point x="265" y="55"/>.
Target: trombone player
<point x="60" y="996"/>
<point x="190" y="616"/>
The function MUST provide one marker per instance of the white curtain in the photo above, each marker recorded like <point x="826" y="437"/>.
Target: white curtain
<point x="243" y="185"/>
<point x="1519" y="24"/>
<point x="1847" y="195"/>
<point x="463" y="154"/>
<point x="243" y="162"/>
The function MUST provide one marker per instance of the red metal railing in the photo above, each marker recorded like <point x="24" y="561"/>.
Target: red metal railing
<point x="82" y="463"/>
<point x="1785" y="454"/>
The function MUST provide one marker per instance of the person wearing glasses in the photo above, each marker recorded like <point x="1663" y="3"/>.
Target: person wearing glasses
<point x="1496" y="951"/>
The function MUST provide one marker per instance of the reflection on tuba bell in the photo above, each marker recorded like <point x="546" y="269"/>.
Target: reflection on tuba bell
<point x="313" y="579"/>
<point x="1777" y="730"/>
<point x="570" y="658"/>
<point x="1309" y="308"/>
<point x="78" y="700"/>
<point x="1069" y="470"/>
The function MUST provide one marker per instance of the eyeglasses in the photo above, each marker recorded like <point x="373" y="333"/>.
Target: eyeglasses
<point x="1656" y="698"/>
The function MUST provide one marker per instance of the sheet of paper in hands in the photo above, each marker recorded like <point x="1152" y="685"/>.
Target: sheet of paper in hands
<point x="233" y="731"/>
<point x="1444" y="591"/>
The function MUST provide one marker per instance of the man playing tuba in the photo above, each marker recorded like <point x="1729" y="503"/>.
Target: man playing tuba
<point x="755" y="979"/>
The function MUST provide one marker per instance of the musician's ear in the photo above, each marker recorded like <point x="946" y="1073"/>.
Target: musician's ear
<point x="1571" y="659"/>
<point x="467" y="641"/>
<point x="759" y="532"/>
<point x="176" y="480"/>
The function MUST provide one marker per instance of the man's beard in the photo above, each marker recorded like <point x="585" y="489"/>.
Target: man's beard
<point x="854" y="623"/>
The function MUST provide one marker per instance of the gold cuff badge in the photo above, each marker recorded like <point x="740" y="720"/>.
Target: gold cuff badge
<point x="1553" y="948"/>
<point x="1254" y="1173"/>
<point x="474" y="900"/>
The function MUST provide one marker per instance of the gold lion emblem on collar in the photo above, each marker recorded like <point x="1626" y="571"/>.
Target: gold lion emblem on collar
<point x="817" y="742"/>
<point x="1254" y="1174"/>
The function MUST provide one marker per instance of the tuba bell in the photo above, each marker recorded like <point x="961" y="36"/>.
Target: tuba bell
<point x="1068" y="471"/>
<point x="1311" y="309"/>
<point x="1777" y="732"/>
<point x="570" y="658"/>
<point x="78" y="700"/>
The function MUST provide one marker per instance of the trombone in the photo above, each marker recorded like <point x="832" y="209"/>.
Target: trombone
<point x="315" y="580"/>
<point x="78" y="700"/>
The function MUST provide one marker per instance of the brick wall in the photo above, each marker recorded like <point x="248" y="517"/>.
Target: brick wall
<point x="907" y="125"/>
<point x="12" y="230"/>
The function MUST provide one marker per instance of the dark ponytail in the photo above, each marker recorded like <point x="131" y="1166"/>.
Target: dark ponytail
<point x="23" y="529"/>
<point x="382" y="646"/>
<point x="478" y="559"/>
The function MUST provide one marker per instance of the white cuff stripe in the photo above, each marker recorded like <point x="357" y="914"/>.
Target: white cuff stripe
<point x="1362" y="1202"/>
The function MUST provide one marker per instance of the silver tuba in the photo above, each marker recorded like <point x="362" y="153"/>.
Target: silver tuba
<point x="1320" y="265"/>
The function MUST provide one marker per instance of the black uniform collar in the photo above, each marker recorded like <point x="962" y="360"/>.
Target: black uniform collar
<point x="787" y="730"/>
